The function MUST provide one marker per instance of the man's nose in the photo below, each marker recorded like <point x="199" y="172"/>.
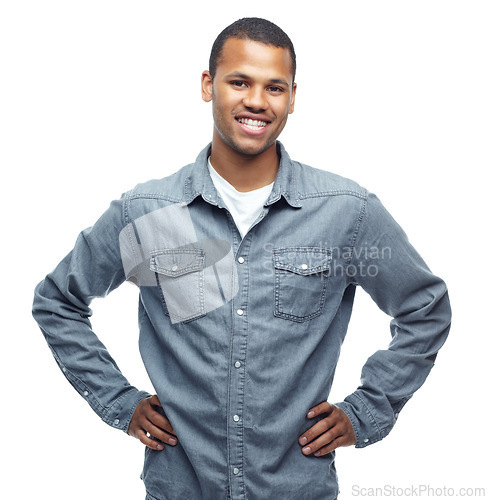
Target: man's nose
<point x="255" y="99"/>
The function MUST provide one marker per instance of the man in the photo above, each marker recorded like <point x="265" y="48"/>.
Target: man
<point x="247" y="263"/>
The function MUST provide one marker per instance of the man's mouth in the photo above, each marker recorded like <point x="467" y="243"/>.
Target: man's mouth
<point x="252" y="124"/>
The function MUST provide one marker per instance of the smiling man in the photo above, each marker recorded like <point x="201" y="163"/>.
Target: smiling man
<point x="252" y="88"/>
<point x="247" y="264"/>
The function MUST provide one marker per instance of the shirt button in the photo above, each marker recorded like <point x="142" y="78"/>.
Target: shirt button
<point x="366" y="440"/>
<point x="241" y="260"/>
<point x="236" y="471"/>
<point x="237" y="364"/>
<point x="240" y="312"/>
<point x="86" y="393"/>
<point x="174" y="268"/>
<point x="304" y="267"/>
<point x="236" y="418"/>
<point x="116" y="421"/>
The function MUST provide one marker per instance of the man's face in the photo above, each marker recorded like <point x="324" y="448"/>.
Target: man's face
<point x="252" y="93"/>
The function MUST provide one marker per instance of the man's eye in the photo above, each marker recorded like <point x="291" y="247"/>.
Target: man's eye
<point x="274" y="89"/>
<point x="238" y="83"/>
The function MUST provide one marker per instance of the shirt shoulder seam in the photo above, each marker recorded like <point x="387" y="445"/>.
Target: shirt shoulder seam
<point x="334" y="192"/>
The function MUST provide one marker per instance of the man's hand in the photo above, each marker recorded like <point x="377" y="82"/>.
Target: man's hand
<point x="146" y="420"/>
<point x="331" y="432"/>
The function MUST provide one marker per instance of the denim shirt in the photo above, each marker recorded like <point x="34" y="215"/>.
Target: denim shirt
<point x="240" y="337"/>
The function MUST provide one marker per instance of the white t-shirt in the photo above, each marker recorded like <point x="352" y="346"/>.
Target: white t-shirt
<point x="244" y="207"/>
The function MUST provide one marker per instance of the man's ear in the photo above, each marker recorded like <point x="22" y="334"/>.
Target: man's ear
<point x="206" y="86"/>
<point x="293" y="97"/>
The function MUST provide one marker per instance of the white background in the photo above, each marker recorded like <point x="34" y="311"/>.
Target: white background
<point x="96" y="96"/>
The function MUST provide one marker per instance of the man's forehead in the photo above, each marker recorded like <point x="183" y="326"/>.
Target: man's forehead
<point x="240" y="53"/>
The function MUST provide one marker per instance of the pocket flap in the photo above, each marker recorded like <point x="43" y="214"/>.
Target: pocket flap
<point x="176" y="262"/>
<point x="303" y="260"/>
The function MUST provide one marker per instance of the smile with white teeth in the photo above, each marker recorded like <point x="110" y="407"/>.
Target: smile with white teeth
<point x="252" y="124"/>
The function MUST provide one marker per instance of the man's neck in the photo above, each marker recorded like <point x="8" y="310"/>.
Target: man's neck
<point x="245" y="172"/>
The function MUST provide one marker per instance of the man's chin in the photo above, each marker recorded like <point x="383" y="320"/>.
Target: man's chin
<point x="251" y="150"/>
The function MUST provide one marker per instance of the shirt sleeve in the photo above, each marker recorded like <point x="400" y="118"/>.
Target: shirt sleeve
<point x="391" y="271"/>
<point x="61" y="308"/>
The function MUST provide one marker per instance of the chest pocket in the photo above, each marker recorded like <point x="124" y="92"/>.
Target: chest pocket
<point x="301" y="278"/>
<point x="180" y="277"/>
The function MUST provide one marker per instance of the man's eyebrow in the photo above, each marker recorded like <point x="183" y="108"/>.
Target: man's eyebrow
<point x="279" y="81"/>
<point x="243" y="76"/>
<point x="239" y="75"/>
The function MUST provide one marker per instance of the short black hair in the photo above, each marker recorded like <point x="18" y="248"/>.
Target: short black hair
<point x="256" y="29"/>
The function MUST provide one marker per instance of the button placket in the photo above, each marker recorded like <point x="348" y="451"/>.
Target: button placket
<point x="237" y="373"/>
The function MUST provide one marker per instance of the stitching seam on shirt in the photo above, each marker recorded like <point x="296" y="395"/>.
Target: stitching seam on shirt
<point x="334" y="192"/>
<point x="125" y="209"/>
<point x="353" y="239"/>
<point x="154" y="196"/>
<point x="133" y="245"/>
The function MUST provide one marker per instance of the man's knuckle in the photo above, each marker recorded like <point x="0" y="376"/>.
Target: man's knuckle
<point x="309" y="435"/>
<point x="323" y="407"/>
<point x="333" y="433"/>
<point x="141" y="435"/>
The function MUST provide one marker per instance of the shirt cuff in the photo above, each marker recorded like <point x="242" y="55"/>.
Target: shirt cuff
<point x="367" y="430"/>
<point x="120" y="413"/>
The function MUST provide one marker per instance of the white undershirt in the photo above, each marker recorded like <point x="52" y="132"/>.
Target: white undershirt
<point x="244" y="207"/>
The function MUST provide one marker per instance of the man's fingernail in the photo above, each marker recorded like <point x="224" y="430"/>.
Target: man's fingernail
<point x="307" y="450"/>
<point x="172" y="441"/>
<point x="303" y="440"/>
<point x="311" y="414"/>
<point x="317" y="454"/>
<point x="160" y="447"/>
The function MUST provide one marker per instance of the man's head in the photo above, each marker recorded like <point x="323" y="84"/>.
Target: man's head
<point x="251" y="85"/>
<point x="256" y="29"/>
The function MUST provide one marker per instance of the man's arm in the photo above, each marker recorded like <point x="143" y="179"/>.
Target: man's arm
<point x="391" y="271"/>
<point x="61" y="307"/>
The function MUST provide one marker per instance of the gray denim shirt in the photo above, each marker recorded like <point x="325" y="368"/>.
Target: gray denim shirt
<point x="241" y="337"/>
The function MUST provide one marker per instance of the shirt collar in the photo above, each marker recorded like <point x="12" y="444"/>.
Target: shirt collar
<point x="199" y="182"/>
